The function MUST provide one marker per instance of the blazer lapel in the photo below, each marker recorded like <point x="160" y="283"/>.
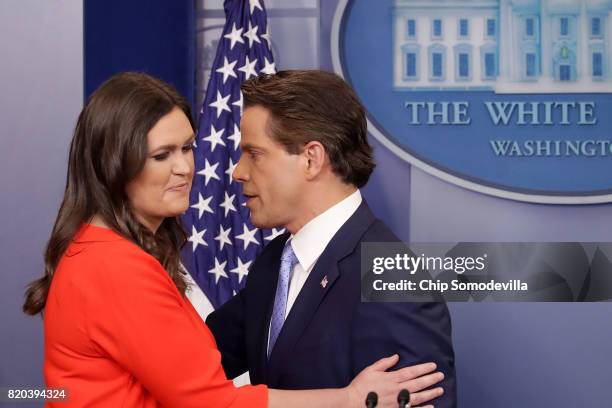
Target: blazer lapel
<point x="319" y="283"/>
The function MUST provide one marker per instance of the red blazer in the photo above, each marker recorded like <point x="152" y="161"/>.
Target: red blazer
<point x="119" y="334"/>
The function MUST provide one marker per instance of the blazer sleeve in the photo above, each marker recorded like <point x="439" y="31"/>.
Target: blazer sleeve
<point x="138" y="318"/>
<point x="227" y="323"/>
<point x="418" y="332"/>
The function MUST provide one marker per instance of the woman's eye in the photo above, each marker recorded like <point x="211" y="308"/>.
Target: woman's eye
<point x="161" y="156"/>
<point x="188" y="147"/>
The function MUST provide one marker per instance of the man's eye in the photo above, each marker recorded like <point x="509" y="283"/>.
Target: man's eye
<point x="188" y="147"/>
<point x="161" y="156"/>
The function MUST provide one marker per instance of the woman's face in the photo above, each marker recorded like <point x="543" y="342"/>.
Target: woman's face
<point x="162" y="188"/>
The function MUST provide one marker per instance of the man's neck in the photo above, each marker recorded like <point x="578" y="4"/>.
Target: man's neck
<point x="319" y="203"/>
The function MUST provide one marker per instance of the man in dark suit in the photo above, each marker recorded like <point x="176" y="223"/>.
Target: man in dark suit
<point x="299" y="323"/>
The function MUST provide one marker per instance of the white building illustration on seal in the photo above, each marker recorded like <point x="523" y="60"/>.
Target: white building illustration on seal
<point x="509" y="46"/>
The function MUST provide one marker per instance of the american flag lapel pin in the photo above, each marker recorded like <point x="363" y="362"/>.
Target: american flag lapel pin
<point x="324" y="282"/>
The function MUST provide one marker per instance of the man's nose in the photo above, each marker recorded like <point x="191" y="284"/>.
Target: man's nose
<point x="241" y="173"/>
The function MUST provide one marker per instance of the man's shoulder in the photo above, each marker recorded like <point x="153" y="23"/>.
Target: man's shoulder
<point x="365" y="226"/>
<point x="375" y="231"/>
<point x="378" y="231"/>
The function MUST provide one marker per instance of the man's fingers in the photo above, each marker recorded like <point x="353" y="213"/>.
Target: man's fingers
<point x="384" y="363"/>
<point x="408" y="373"/>
<point x="425" y="396"/>
<point x="423" y="382"/>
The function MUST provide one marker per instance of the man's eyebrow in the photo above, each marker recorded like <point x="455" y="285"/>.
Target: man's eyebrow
<point x="248" y="146"/>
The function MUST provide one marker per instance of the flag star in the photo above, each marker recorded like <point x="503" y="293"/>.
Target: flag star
<point x="239" y="103"/>
<point x="209" y="172"/>
<point x="230" y="169"/>
<point x="219" y="270"/>
<point x="248" y="236"/>
<point x="251" y="35"/>
<point x="275" y="233"/>
<point x="269" y="67"/>
<point x="228" y="70"/>
<point x="235" y="137"/>
<point x="214" y="138"/>
<point x="255" y="4"/>
<point x="197" y="238"/>
<point x="228" y="203"/>
<point x="242" y="269"/>
<point x="235" y="36"/>
<point x="223" y="236"/>
<point x="221" y="103"/>
<point x="248" y="68"/>
<point x="266" y="37"/>
<point x="203" y="205"/>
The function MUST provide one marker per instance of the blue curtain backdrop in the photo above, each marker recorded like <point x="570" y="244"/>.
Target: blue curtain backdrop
<point x="152" y="36"/>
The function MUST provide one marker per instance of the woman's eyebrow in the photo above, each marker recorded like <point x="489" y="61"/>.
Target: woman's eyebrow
<point x="172" y="146"/>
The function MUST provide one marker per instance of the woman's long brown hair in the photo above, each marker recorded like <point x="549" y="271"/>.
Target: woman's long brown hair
<point x="108" y="149"/>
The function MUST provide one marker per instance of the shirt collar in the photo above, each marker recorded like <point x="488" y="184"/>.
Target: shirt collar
<point x="310" y="241"/>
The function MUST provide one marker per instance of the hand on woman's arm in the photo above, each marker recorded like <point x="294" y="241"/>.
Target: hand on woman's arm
<point x="387" y="385"/>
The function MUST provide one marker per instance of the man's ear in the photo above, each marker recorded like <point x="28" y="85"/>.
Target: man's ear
<point x="314" y="152"/>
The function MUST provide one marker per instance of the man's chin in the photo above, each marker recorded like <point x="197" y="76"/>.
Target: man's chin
<point x="259" y="224"/>
<point x="262" y="224"/>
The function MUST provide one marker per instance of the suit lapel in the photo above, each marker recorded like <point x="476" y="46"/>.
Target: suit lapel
<point x="314" y="291"/>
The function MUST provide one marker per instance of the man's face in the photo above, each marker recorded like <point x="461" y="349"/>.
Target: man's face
<point x="272" y="179"/>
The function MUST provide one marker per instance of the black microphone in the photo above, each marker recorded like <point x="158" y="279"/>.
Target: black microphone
<point x="371" y="400"/>
<point x="403" y="399"/>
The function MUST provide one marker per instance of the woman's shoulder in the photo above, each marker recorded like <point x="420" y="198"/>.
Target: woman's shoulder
<point x="96" y="240"/>
<point x="103" y="265"/>
<point x="100" y="253"/>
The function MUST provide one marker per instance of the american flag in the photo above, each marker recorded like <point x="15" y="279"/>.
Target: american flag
<point x="222" y="242"/>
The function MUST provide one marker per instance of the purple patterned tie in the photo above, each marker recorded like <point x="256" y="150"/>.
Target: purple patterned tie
<point x="288" y="261"/>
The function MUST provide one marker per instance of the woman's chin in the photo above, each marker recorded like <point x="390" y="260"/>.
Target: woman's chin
<point x="178" y="209"/>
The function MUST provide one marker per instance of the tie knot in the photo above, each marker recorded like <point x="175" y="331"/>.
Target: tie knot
<point x="288" y="256"/>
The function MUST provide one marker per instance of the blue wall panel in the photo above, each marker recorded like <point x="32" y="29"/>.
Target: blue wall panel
<point x="152" y="36"/>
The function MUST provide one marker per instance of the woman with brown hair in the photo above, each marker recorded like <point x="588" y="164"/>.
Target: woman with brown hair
<point x="118" y="328"/>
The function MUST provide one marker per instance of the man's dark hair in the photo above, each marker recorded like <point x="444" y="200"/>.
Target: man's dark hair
<point x="309" y="105"/>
